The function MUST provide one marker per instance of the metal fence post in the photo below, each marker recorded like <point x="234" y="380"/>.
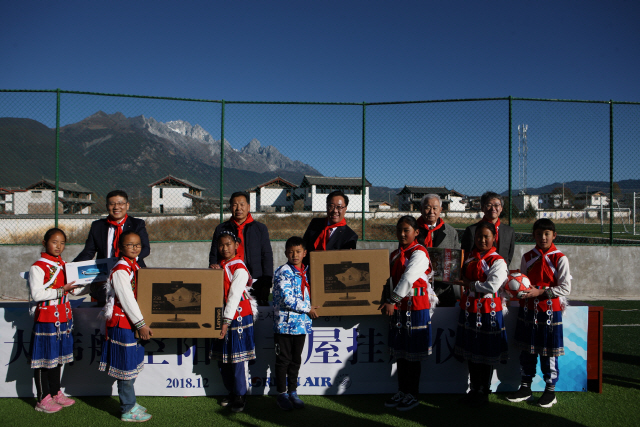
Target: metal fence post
<point x="55" y="199"/>
<point x="222" y="164"/>
<point x="510" y="155"/>
<point x="364" y="179"/>
<point x="611" y="172"/>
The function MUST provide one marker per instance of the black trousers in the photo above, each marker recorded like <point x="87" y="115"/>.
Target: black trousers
<point x="480" y="376"/>
<point x="409" y="376"/>
<point x="47" y="382"/>
<point x="288" y="360"/>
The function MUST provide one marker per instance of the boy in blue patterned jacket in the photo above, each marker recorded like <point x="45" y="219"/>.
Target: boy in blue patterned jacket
<point x="291" y="321"/>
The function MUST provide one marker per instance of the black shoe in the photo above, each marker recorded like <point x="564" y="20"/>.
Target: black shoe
<point x="225" y="401"/>
<point x="238" y="404"/>
<point x="523" y="393"/>
<point x="409" y="402"/>
<point x="548" y="399"/>
<point x="394" y="400"/>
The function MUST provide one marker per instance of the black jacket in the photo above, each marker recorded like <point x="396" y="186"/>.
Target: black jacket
<point x="506" y="241"/>
<point x="96" y="244"/>
<point x="258" y="255"/>
<point x="343" y="238"/>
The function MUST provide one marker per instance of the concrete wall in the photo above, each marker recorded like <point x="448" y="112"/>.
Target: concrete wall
<point x="598" y="271"/>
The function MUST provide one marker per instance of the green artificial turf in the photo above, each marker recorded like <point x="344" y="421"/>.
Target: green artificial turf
<point x="615" y="406"/>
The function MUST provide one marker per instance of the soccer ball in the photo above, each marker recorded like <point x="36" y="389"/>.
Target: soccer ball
<point x="516" y="283"/>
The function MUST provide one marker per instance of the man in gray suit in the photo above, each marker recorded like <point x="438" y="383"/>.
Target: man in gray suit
<point x="491" y="204"/>
<point x="435" y="233"/>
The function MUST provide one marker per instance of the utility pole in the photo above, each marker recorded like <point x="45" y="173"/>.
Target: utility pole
<point x="562" y="196"/>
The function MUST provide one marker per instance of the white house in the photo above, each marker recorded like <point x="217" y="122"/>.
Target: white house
<point x="276" y="195"/>
<point x="410" y="197"/>
<point x="523" y="201"/>
<point x="553" y="201"/>
<point x="6" y="200"/>
<point x="175" y="195"/>
<point x="591" y="200"/>
<point x="315" y="189"/>
<point x="40" y="198"/>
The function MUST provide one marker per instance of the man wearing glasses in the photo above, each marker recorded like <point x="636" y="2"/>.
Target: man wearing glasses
<point x="491" y="205"/>
<point x="332" y="232"/>
<point x="104" y="234"/>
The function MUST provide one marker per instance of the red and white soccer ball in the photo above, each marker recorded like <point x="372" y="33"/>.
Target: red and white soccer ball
<point x="516" y="283"/>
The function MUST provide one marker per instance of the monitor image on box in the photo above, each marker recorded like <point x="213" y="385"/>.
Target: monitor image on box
<point x="346" y="278"/>
<point x="176" y="298"/>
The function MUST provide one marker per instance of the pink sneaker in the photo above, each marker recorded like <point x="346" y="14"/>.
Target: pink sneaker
<point x="48" y="405"/>
<point x="63" y="400"/>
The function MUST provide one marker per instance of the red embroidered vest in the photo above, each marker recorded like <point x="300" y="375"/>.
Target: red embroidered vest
<point x="472" y="272"/>
<point x="119" y="317"/>
<point x="542" y="271"/>
<point x="230" y="267"/>
<point x="54" y="278"/>
<point x="420" y="290"/>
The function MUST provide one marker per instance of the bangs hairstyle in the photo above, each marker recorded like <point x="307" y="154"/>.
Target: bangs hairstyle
<point x="125" y="234"/>
<point x="409" y="220"/>
<point x="117" y="193"/>
<point x="544" y="224"/>
<point x="227" y="233"/>
<point x="488" y="225"/>
<point x="295" y="241"/>
<point x="50" y="232"/>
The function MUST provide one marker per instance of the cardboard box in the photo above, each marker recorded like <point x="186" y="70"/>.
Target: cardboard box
<point x="348" y="282"/>
<point x="181" y="302"/>
<point x="87" y="272"/>
<point x="446" y="264"/>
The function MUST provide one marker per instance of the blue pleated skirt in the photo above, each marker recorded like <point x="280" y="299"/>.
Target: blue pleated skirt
<point x="545" y="337"/>
<point x="481" y="344"/>
<point x="122" y="356"/>
<point x="410" y="335"/>
<point x="238" y="345"/>
<point x="51" y="346"/>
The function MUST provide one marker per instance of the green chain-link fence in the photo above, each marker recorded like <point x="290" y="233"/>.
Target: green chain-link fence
<point x="63" y="151"/>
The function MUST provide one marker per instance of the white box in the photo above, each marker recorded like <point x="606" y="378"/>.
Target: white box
<point x="87" y="272"/>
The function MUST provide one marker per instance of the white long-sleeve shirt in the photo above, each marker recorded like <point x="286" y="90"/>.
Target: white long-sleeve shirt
<point x="416" y="266"/>
<point x="238" y="284"/>
<point x="496" y="276"/>
<point x="122" y="287"/>
<point x="38" y="291"/>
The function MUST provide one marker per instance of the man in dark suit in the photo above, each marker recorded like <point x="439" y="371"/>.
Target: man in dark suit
<point x="332" y="232"/>
<point x="255" y="249"/>
<point x="435" y="233"/>
<point x="491" y="204"/>
<point x="102" y="241"/>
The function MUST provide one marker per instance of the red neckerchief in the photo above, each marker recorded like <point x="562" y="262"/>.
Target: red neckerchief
<point x="428" y="240"/>
<point x="134" y="267"/>
<point x="303" y="279"/>
<point x="397" y="269"/>
<point x="544" y="270"/>
<point x="497" y="225"/>
<point x="117" y="233"/>
<point x="323" y="238"/>
<point x="478" y="272"/>
<point x="241" y="234"/>
<point x="57" y="259"/>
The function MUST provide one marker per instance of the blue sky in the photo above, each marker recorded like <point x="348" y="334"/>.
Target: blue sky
<point x="350" y="51"/>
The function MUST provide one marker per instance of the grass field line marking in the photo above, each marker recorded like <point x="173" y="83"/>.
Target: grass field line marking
<point x="622" y="325"/>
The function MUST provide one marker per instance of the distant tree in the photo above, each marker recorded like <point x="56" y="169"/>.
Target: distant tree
<point x="529" y="212"/>
<point x="515" y="212"/>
